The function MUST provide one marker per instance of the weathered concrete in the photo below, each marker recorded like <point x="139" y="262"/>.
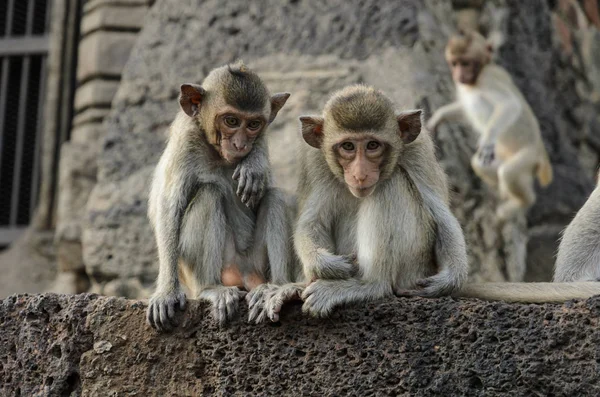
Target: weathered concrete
<point x="97" y="346"/>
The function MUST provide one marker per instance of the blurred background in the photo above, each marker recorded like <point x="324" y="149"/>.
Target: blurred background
<point x="88" y="88"/>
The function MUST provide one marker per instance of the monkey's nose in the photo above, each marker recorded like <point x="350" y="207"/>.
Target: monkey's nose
<point x="239" y="147"/>
<point x="360" y="179"/>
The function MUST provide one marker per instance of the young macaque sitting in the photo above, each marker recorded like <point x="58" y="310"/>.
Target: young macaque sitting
<point x="510" y="151"/>
<point x="218" y="243"/>
<point x="373" y="210"/>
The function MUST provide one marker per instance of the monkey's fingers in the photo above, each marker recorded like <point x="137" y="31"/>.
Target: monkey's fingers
<point x="241" y="183"/>
<point x="236" y="173"/>
<point x="247" y="193"/>
<point x="165" y="321"/>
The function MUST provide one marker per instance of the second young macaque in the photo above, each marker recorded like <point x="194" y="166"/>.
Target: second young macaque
<point x="510" y="152"/>
<point x="219" y="244"/>
<point x="373" y="209"/>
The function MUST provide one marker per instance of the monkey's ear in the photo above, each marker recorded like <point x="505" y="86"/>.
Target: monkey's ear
<point x="277" y="102"/>
<point x="312" y="130"/>
<point x="190" y="98"/>
<point x="410" y="124"/>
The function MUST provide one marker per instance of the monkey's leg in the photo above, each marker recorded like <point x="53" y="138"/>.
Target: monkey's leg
<point x="203" y="249"/>
<point x="488" y="173"/>
<point x="516" y="183"/>
<point x="272" y="252"/>
<point x="322" y="296"/>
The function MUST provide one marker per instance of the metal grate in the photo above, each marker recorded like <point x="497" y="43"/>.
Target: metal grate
<point x="24" y="26"/>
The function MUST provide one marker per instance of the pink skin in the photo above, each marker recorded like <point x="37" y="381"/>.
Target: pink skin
<point x="360" y="157"/>
<point x="238" y="132"/>
<point x="465" y="70"/>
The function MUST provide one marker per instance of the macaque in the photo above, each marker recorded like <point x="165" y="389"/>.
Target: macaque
<point x="510" y="151"/>
<point x="374" y="220"/>
<point x="218" y="244"/>
<point x="373" y="209"/>
<point x="578" y="257"/>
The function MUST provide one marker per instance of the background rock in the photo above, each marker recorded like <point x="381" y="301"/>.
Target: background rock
<point x="311" y="48"/>
<point x="97" y="346"/>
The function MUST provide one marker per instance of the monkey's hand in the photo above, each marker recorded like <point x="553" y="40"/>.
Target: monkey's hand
<point x="487" y="153"/>
<point x="442" y="284"/>
<point x="162" y="309"/>
<point x="334" y="267"/>
<point x="272" y="300"/>
<point x="225" y="302"/>
<point x="257" y="299"/>
<point x="320" y="298"/>
<point x="252" y="179"/>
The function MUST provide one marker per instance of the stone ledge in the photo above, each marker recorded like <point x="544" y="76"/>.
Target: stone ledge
<point x="114" y="17"/>
<point x="91" y="345"/>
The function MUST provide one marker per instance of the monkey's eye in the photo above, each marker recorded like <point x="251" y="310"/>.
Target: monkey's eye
<point x="231" y="121"/>
<point x="464" y="64"/>
<point x="254" y="124"/>
<point x="348" y="146"/>
<point x="373" y="145"/>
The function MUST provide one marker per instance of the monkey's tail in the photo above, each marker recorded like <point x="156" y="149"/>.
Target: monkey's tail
<point x="530" y="292"/>
<point x="544" y="171"/>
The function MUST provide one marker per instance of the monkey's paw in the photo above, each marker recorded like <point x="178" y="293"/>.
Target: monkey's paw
<point x="251" y="184"/>
<point x="257" y="299"/>
<point x="225" y="302"/>
<point x="162" y="309"/>
<point x="487" y="154"/>
<point x="335" y="267"/>
<point x="432" y="287"/>
<point x="320" y="298"/>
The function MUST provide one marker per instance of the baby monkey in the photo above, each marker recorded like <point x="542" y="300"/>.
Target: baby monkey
<point x="510" y="151"/>
<point x="373" y="210"/>
<point x="216" y="242"/>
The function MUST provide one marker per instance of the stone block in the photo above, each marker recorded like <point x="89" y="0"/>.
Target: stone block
<point x="95" y="93"/>
<point x="89" y="133"/>
<point x="113" y="16"/>
<point x="91" y="115"/>
<point x="104" y="53"/>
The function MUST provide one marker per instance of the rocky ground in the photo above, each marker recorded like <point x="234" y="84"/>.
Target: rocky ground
<point x="60" y="345"/>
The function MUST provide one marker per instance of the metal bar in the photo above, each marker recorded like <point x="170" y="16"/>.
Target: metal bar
<point x="3" y="98"/>
<point x="8" y="235"/>
<point x="14" y="202"/>
<point x="10" y="10"/>
<point x="29" y="25"/>
<point x="28" y="45"/>
<point x="35" y="171"/>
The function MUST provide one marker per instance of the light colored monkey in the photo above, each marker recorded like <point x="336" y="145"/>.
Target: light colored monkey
<point x="374" y="219"/>
<point x="206" y="236"/>
<point x="373" y="209"/>
<point x="510" y="151"/>
<point x="578" y="257"/>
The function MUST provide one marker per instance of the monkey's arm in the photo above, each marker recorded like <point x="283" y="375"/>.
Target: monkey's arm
<point x="507" y="109"/>
<point x="169" y="207"/>
<point x="314" y="245"/>
<point x="451" y="112"/>
<point x="253" y="174"/>
<point x="322" y="296"/>
<point x="450" y="248"/>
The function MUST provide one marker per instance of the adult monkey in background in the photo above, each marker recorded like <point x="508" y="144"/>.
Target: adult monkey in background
<point x="510" y="151"/>
<point x="204" y="232"/>
<point x="578" y="257"/>
<point x="374" y="219"/>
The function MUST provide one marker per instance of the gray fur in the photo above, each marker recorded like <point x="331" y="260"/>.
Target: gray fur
<point x="201" y="224"/>
<point x="578" y="257"/>
<point x="403" y="235"/>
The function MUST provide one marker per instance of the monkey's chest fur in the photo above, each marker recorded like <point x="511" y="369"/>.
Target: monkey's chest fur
<point x="393" y="234"/>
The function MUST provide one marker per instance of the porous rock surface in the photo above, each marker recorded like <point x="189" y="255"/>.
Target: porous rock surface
<point x="60" y="345"/>
<point x="311" y="48"/>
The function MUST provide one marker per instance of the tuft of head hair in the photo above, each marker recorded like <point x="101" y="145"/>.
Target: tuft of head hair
<point x="466" y="43"/>
<point x="244" y="89"/>
<point x="360" y="108"/>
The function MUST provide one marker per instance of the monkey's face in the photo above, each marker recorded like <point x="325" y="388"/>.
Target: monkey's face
<point x="237" y="131"/>
<point x="464" y="70"/>
<point x="360" y="157"/>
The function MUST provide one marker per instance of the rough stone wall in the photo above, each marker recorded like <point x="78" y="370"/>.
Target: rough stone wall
<point x="311" y="48"/>
<point x="108" y="31"/>
<point x="57" y="345"/>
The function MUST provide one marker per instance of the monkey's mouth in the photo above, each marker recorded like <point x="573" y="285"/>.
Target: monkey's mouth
<point x="361" y="192"/>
